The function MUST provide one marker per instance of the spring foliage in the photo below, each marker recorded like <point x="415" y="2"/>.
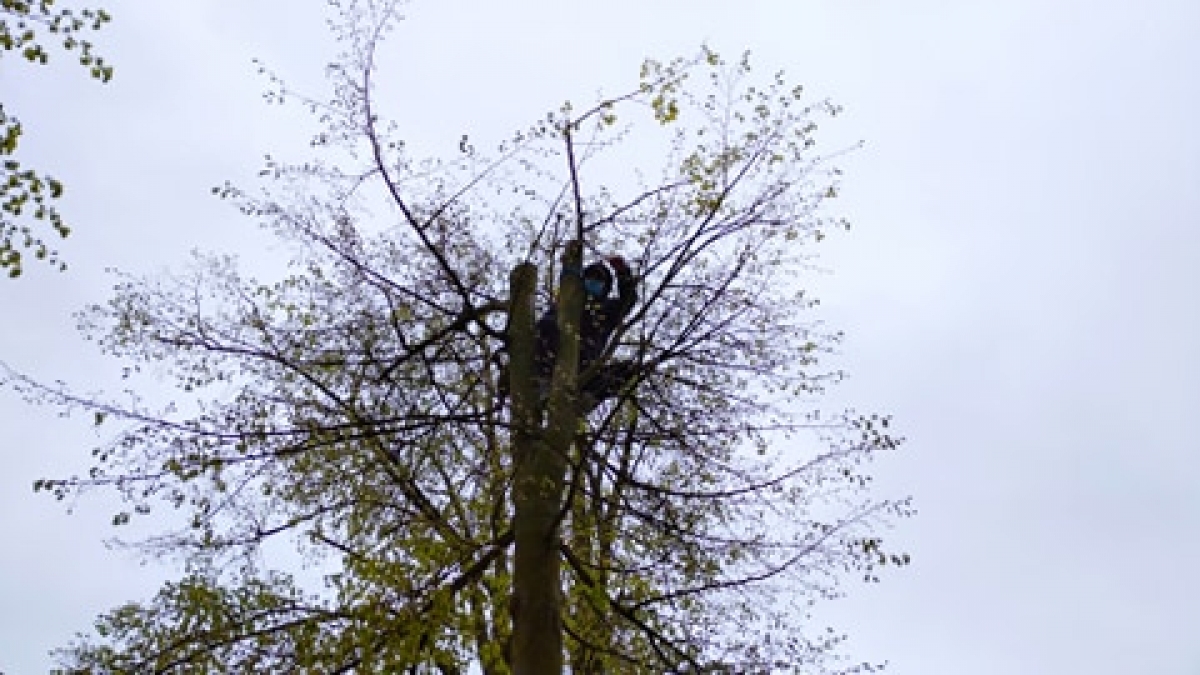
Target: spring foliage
<point x="353" y="407"/>
<point x="27" y="196"/>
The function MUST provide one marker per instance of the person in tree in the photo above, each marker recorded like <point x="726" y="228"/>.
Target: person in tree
<point x="601" y="316"/>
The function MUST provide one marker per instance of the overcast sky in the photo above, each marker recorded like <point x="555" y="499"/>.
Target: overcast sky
<point x="1018" y="289"/>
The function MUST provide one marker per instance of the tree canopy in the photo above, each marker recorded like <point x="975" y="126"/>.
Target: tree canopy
<point x="27" y="196"/>
<point x="375" y="408"/>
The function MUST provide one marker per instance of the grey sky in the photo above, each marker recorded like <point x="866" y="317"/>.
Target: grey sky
<point x="1017" y="289"/>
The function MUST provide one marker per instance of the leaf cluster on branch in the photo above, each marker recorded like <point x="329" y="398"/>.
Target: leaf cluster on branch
<point x="24" y="192"/>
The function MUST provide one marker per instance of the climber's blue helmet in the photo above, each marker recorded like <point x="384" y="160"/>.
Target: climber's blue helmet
<point x="597" y="281"/>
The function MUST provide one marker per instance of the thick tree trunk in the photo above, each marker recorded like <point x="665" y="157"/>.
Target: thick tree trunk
<point x="540" y="465"/>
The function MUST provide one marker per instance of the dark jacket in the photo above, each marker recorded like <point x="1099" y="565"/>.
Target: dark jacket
<point x="600" y="319"/>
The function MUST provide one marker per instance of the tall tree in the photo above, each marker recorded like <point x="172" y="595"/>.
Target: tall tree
<point x="381" y="406"/>
<point x="27" y="195"/>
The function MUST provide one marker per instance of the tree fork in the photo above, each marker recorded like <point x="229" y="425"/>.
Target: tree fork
<point x="540" y="466"/>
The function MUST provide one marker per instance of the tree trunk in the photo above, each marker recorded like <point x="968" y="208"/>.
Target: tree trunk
<point x="540" y="466"/>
